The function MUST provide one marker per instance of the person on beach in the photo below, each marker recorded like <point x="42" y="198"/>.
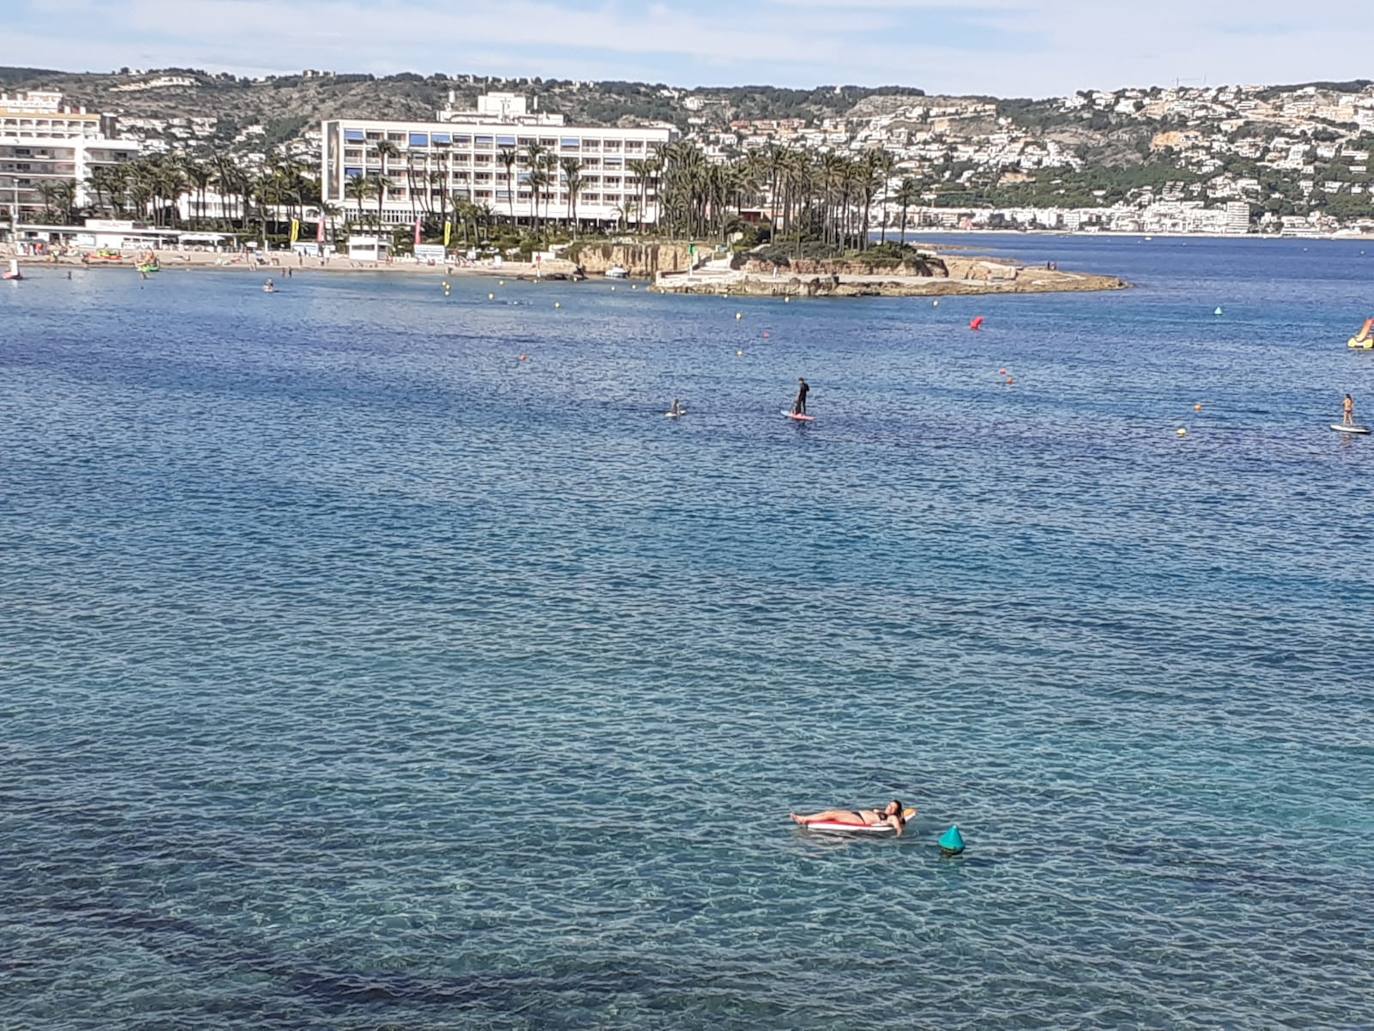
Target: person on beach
<point x="799" y="406"/>
<point x="1348" y="411"/>
<point x="891" y="814"/>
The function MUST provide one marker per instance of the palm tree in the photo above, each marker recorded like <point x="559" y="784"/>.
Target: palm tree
<point x="97" y="182"/>
<point x="534" y="159"/>
<point x="410" y="184"/>
<point x="506" y="157"/>
<point x="537" y="180"/>
<point x="199" y="175"/>
<point x="572" y="176"/>
<point x="45" y="190"/>
<point x="775" y="162"/>
<point x="380" y="184"/>
<point x="360" y="188"/>
<point x="549" y="162"/>
<point x="642" y="169"/>
<point x="884" y="164"/>
<point x="64" y="196"/>
<point x="436" y="183"/>
<point x="385" y="150"/>
<point x="907" y="195"/>
<point x="171" y="183"/>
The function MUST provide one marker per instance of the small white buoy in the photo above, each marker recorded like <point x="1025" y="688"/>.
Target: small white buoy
<point x="500" y="282"/>
<point x="557" y="305"/>
<point x="1182" y="432"/>
<point x="935" y="303"/>
<point x="612" y="289"/>
<point x="634" y="286"/>
<point x="491" y="297"/>
<point x="739" y="315"/>
<point x="739" y="354"/>
<point x="1218" y="311"/>
<point x="787" y="300"/>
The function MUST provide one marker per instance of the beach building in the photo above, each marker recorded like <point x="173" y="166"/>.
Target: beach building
<point x="44" y="143"/>
<point x="106" y="234"/>
<point x="423" y="166"/>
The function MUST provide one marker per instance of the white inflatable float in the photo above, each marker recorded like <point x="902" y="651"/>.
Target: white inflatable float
<point x="870" y="829"/>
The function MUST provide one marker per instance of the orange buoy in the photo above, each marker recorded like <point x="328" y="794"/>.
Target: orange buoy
<point x="1197" y="408"/>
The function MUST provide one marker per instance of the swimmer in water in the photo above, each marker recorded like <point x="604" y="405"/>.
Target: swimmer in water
<point x="891" y="814"/>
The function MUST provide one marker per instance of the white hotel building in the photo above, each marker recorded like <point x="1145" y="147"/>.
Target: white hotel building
<point x="458" y="154"/>
<point x="41" y="141"/>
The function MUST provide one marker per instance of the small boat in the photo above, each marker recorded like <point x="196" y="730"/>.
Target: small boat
<point x="1364" y="339"/>
<point x="617" y="272"/>
<point x="12" y="274"/>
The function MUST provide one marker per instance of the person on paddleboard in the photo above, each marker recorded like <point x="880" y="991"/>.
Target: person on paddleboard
<point x="676" y="408"/>
<point x="892" y="814"/>
<point x="799" y="405"/>
<point x="1348" y="411"/>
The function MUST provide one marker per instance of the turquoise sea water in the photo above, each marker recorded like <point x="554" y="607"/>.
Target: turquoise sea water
<point x="355" y="674"/>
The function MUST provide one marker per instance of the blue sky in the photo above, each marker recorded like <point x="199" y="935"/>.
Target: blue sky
<point x="1003" y="47"/>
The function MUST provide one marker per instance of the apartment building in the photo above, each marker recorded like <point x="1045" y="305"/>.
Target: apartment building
<point x="43" y="142"/>
<point x="459" y="154"/>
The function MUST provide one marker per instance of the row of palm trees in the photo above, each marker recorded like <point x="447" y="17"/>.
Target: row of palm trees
<point x="824" y="196"/>
<point x="153" y="187"/>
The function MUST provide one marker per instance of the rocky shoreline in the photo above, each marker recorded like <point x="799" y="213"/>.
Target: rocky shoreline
<point x="935" y="276"/>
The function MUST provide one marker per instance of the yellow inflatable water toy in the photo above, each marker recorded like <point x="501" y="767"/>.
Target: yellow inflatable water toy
<point x="1364" y="339"/>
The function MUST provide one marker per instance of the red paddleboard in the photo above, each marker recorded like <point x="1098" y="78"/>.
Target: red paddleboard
<point x="800" y="418"/>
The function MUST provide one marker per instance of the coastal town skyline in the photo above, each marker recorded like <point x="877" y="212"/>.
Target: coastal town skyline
<point x="1005" y="48"/>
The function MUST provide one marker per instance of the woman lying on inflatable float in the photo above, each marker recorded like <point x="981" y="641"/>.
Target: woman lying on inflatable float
<point x="891" y="819"/>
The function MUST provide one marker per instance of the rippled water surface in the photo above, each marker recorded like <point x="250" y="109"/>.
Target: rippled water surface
<point x="354" y="673"/>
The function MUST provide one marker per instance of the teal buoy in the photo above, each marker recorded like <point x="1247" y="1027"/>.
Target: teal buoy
<point x="951" y="841"/>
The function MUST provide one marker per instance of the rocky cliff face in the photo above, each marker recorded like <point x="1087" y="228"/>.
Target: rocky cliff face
<point x="641" y="260"/>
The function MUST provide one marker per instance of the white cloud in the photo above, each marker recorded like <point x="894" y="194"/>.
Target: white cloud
<point x="1005" y="47"/>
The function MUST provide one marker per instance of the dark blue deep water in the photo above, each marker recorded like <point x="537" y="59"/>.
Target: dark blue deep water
<point x="354" y="674"/>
